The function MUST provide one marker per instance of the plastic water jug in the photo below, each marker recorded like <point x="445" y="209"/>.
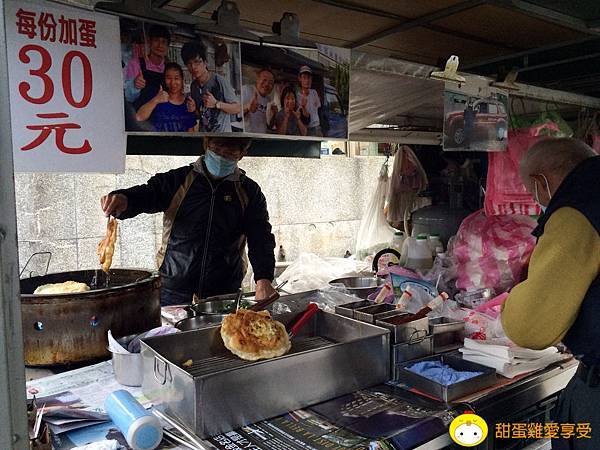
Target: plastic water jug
<point x="436" y="245"/>
<point x="398" y="241"/>
<point x="416" y="253"/>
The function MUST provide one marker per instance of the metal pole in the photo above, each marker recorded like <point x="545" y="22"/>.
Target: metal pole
<point x="13" y="415"/>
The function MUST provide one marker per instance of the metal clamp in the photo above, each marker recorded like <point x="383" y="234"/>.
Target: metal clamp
<point x="416" y="337"/>
<point x="166" y="374"/>
<point x="49" y="254"/>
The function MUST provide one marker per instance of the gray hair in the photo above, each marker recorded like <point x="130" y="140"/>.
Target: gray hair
<point x="558" y="156"/>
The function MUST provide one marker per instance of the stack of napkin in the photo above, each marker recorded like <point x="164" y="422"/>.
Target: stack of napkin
<point x="508" y="359"/>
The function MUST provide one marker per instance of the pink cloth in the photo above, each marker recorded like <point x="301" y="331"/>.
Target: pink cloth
<point x="134" y="68"/>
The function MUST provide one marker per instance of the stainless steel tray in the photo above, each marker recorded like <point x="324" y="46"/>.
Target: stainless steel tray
<point x="418" y="347"/>
<point x="347" y="309"/>
<point x="405" y="331"/>
<point x="453" y="391"/>
<point x="445" y="325"/>
<point x="447" y="334"/>
<point x="332" y="356"/>
<point x="373" y="312"/>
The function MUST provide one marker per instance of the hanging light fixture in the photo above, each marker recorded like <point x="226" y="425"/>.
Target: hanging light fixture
<point x="135" y="9"/>
<point x="225" y="23"/>
<point x="287" y="33"/>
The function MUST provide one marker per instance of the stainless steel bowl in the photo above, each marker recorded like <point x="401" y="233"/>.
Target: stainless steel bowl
<point x="360" y="287"/>
<point x="217" y="307"/>
<point x="193" y="323"/>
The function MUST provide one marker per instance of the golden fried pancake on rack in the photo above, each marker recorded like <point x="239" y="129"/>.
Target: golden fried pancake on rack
<point x="68" y="287"/>
<point x="106" y="247"/>
<point x="254" y="335"/>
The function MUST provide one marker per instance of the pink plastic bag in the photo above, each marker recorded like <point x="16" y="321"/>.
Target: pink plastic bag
<point x="493" y="308"/>
<point x="505" y="192"/>
<point x="491" y="251"/>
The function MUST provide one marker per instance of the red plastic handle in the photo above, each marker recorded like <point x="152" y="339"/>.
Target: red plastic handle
<point x="311" y="310"/>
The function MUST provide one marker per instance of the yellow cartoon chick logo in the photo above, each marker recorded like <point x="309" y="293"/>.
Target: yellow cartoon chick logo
<point x="468" y="429"/>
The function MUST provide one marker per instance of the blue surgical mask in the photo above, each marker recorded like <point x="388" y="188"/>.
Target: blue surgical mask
<point x="218" y="166"/>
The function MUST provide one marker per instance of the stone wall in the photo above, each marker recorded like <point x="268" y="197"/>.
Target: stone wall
<point x="315" y="206"/>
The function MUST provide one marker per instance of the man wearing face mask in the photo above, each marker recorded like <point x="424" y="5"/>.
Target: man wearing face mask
<point x="211" y="210"/>
<point x="560" y="299"/>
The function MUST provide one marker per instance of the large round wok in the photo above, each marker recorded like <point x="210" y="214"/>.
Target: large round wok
<point x="71" y="328"/>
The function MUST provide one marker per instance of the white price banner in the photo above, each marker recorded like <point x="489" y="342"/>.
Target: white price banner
<point x="66" y="89"/>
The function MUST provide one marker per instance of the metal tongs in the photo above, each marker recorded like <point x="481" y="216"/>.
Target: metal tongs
<point x="267" y="301"/>
<point x="191" y="440"/>
<point x="238" y="299"/>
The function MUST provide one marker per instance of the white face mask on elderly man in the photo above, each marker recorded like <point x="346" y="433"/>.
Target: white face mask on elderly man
<point x="535" y="190"/>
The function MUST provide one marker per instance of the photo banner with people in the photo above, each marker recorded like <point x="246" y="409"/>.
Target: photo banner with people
<point x="203" y="84"/>
<point x="475" y="119"/>
<point x="295" y="92"/>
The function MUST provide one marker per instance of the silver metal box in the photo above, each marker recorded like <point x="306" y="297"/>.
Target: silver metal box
<point x="372" y="312"/>
<point x="447" y="393"/>
<point x="404" y="332"/>
<point x="415" y="348"/>
<point x="332" y="356"/>
<point x="447" y="334"/>
<point x="347" y="309"/>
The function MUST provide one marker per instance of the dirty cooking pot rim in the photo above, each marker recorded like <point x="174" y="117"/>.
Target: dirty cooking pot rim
<point x="93" y="293"/>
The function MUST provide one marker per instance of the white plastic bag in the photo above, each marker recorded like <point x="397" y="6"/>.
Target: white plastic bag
<point x="310" y="271"/>
<point x="375" y="233"/>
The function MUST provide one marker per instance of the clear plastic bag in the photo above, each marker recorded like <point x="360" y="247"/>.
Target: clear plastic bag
<point x="325" y="299"/>
<point x="309" y="272"/>
<point x="477" y="324"/>
<point x="374" y="232"/>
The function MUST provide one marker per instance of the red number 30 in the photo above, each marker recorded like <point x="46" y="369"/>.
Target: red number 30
<point x="42" y="73"/>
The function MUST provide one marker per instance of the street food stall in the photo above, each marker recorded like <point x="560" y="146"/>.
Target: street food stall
<point x="394" y="346"/>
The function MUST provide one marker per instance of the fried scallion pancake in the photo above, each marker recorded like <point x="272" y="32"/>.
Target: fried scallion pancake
<point x="254" y="335"/>
<point x="106" y="247"/>
<point x="68" y="287"/>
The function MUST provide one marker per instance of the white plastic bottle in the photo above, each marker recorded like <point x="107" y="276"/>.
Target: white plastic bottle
<point x="435" y="243"/>
<point x="418" y="253"/>
<point x="398" y="241"/>
<point x="404" y="299"/>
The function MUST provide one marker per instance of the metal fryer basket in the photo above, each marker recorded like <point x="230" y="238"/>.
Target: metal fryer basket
<point x="332" y="356"/>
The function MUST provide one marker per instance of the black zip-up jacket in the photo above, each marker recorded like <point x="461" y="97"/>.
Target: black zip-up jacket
<point x="205" y="228"/>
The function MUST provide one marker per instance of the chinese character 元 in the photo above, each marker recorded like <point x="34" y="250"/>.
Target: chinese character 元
<point x="26" y="23"/>
<point x="47" y="26"/>
<point x="60" y="129"/>
<point x="87" y="33"/>
<point x="68" y="31"/>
